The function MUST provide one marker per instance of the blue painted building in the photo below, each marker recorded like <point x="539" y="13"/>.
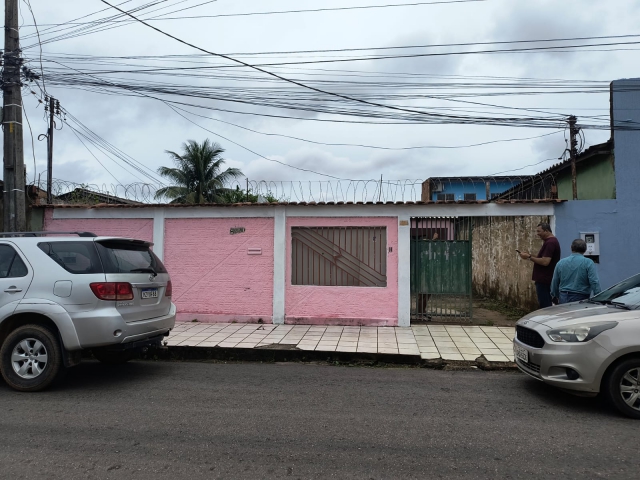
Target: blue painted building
<point x="617" y="221"/>
<point x="460" y="189"/>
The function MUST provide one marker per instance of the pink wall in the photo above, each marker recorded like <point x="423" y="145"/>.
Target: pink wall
<point x="138" y="228"/>
<point x="214" y="278"/>
<point x="345" y="305"/>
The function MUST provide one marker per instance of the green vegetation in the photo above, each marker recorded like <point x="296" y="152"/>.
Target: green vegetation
<point x="198" y="176"/>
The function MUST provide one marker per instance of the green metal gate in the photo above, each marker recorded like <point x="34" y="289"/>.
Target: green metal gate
<point x="441" y="269"/>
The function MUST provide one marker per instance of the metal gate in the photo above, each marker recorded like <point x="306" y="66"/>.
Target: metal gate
<point x="441" y="269"/>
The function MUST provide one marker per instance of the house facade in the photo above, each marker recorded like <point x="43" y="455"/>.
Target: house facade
<point x="347" y="264"/>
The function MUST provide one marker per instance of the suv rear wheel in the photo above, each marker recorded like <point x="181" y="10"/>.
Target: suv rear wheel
<point x="30" y="358"/>
<point x="623" y="387"/>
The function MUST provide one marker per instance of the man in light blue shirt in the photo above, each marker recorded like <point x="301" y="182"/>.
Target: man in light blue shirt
<point x="575" y="277"/>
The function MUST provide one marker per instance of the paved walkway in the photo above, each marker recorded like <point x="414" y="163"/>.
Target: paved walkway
<point x="449" y="342"/>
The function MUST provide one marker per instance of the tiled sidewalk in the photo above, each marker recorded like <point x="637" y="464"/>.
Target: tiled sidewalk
<point x="449" y="342"/>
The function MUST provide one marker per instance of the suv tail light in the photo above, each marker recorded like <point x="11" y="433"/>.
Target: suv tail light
<point x="112" y="290"/>
<point x="169" y="290"/>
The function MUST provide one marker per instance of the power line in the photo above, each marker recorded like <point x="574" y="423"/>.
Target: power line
<point x="522" y="168"/>
<point x="332" y="9"/>
<point x="300" y="84"/>
<point x="369" y="146"/>
<point x="438" y="45"/>
<point x="278" y="12"/>
<point x="101" y="164"/>
<point x="253" y="152"/>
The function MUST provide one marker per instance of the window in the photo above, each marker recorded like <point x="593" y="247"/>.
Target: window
<point x="128" y="257"/>
<point x="11" y="265"/>
<point x="469" y="197"/>
<point x="446" y="197"/>
<point x="339" y="256"/>
<point x="74" y="257"/>
<point x="430" y="233"/>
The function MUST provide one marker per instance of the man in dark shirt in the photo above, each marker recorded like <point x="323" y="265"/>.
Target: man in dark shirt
<point x="544" y="263"/>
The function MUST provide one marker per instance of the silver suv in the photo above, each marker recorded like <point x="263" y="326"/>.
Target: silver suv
<point x="73" y="291"/>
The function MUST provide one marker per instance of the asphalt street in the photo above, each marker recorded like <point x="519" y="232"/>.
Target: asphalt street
<point x="152" y="420"/>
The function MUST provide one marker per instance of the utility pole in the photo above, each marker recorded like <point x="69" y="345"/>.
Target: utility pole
<point x="573" y="133"/>
<point x="52" y="111"/>
<point x="14" y="172"/>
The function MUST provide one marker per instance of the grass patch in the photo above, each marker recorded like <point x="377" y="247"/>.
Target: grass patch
<point x="512" y="313"/>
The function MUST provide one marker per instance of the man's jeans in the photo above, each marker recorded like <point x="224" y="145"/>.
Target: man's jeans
<point x="568" y="297"/>
<point x="544" y="294"/>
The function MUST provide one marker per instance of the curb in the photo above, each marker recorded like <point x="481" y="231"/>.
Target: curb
<point x="272" y="355"/>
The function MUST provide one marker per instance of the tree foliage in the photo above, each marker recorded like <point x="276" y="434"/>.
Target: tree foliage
<point x="198" y="176"/>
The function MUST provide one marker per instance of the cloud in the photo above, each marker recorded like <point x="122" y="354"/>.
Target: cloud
<point x="548" y="19"/>
<point x="552" y="146"/>
<point x="144" y="128"/>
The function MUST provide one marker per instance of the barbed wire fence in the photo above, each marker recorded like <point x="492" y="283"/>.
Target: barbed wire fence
<point x="449" y="189"/>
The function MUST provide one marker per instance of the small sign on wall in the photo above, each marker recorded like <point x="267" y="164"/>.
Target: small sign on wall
<point x="236" y="230"/>
<point x="404" y="223"/>
<point x="254" y="251"/>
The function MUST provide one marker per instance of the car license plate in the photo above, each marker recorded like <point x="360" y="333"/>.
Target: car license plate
<point x="521" y="353"/>
<point x="149" y="293"/>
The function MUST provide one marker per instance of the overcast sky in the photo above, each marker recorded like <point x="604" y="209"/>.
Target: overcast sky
<point x="144" y="128"/>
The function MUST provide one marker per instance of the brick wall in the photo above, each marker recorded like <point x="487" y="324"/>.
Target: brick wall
<point x="214" y="278"/>
<point x="138" y="228"/>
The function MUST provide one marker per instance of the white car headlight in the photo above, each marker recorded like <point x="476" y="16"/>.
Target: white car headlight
<point x="579" y="333"/>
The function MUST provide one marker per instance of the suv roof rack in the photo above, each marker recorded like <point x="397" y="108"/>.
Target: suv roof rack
<point x="37" y="234"/>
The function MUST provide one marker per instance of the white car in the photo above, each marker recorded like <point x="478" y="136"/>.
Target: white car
<point x="587" y="347"/>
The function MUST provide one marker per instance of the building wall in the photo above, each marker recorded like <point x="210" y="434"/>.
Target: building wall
<point x="497" y="269"/>
<point x="139" y="228"/>
<point x="618" y="221"/>
<point x="216" y="275"/>
<point x="216" y="280"/>
<point x="595" y="180"/>
<point x="462" y="186"/>
<point x="344" y="305"/>
<point x="601" y="216"/>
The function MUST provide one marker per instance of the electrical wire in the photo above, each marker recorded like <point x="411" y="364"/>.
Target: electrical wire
<point x="96" y="158"/>
<point x="369" y="146"/>
<point x="284" y="79"/>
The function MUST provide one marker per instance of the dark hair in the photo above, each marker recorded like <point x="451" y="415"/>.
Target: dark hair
<point x="545" y="226"/>
<point x="579" y="246"/>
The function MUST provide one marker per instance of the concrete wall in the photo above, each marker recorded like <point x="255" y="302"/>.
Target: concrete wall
<point x="595" y="180"/>
<point x="344" y="305"/>
<point x="218" y="276"/>
<point x="597" y="216"/>
<point x="140" y="228"/>
<point x="35" y="219"/>
<point x="498" y="271"/>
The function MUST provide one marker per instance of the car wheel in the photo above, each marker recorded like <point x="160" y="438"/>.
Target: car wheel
<point x="623" y="387"/>
<point x="30" y="358"/>
<point x="113" y="357"/>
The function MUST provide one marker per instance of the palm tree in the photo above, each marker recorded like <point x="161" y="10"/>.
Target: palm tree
<point x="198" y="176"/>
